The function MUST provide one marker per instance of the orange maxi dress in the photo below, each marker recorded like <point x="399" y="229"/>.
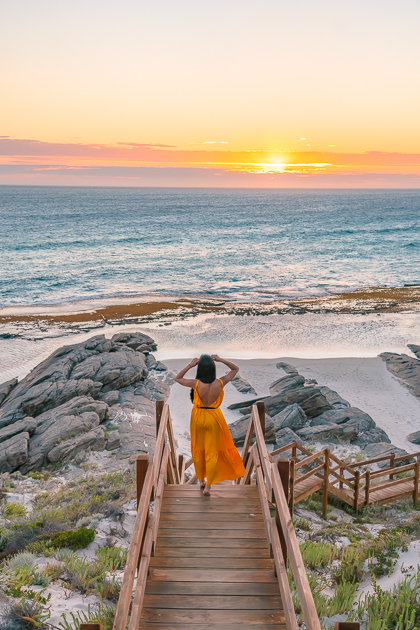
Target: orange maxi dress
<point x="214" y="454"/>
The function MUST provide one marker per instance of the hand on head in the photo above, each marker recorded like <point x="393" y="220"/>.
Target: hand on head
<point x="215" y="357"/>
<point x="194" y="362"/>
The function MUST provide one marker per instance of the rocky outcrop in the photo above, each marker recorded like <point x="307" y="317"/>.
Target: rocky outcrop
<point x="6" y="388"/>
<point x="345" y="431"/>
<point x="414" y="437"/>
<point x="405" y="368"/>
<point x="381" y="449"/>
<point x="243" y="386"/>
<point x="372" y="436"/>
<point x="57" y="410"/>
<point x="289" y="369"/>
<point x="293" y="417"/>
<point x="113" y="441"/>
<point x="14" y="452"/>
<point x="309" y="399"/>
<point x="415" y="349"/>
<point x="334" y="399"/>
<point x="283" y="384"/>
<point x="286" y="436"/>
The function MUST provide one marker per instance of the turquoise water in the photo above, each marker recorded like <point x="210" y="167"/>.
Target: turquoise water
<point x="76" y="243"/>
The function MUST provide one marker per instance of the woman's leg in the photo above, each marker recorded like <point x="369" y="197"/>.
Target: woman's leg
<point x="206" y="490"/>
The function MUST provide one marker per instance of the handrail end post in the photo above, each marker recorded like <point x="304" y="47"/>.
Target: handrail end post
<point x="142" y="464"/>
<point x="347" y="625"/>
<point x="159" y="410"/>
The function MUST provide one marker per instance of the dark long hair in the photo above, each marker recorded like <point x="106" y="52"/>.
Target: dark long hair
<point x="206" y="371"/>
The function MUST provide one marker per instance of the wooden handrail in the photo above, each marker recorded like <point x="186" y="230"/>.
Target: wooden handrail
<point x="285" y="527"/>
<point x="310" y="473"/>
<point x="151" y="479"/>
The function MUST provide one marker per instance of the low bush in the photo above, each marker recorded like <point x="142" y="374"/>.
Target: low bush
<point x="71" y="539"/>
<point x="14" y="510"/>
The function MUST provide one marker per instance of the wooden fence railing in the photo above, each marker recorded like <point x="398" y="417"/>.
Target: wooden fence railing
<point x="151" y="478"/>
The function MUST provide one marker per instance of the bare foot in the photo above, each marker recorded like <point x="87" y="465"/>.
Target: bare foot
<point x="202" y="484"/>
<point x="206" y="490"/>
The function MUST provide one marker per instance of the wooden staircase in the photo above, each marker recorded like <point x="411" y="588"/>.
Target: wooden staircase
<point x="219" y="562"/>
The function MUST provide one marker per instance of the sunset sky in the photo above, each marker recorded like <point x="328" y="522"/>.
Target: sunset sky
<point x="222" y="93"/>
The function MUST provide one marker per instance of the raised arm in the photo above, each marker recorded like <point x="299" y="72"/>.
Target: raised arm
<point x="187" y="382"/>
<point x="233" y="368"/>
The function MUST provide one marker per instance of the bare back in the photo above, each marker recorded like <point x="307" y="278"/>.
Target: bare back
<point x="209" y="392"/>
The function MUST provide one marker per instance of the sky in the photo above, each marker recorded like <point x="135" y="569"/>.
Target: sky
<point x="222" y="93"/>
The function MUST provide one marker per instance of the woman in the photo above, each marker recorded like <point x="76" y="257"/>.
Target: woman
<point x="214" y="454"/>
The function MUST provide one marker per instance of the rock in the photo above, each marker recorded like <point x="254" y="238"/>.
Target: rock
<point x="152" y="364"/>
<point x="290" y="369"/>
<point x="114" y="441"/>
<point x="97" y="365"/>
<point x="6" y="388"/>
<point x="286" y="436"/>
<point x="77" y="416"/>
<point x="14" y="452"/>
<point x="335" y="400"/>
<point x="405" y="368"/>
<point x="247" y="404"/>
<point x="69" y="448"/>
<point x="413" y="437"/>
<point x="135" y="340"/>
<point x="27" y="425"/>
<point x="111" y="398"/>
<point x="243" y="386"/>
<point x="369" y="437"/>
<point x="154" y="389"/>
<point x="309" y="399"/>
<point x="239" y="428"/>
<point x="345" y="431"/>
<point x="336" y="416"/>
<point x="283" y="384"/>
<point x="293" y="417"/>
<point x="415" y="349"/>
<point x="381" y="449"/>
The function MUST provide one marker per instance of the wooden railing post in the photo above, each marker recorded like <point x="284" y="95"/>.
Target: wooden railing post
<point x="392" y="464"/>
<point x="356" y="490"/>
<point x="283" y="466"/>
<point x="91" y="626"/>
<point x="292" y="486"/>
<point x="294" y="450"/>
<point x="326" y="483"/>
<point x="416" y="483"/>
<point x="347" y="625"/>
<point x="261" y="414"/>
<point x="367" y="487"/>
<point x="141" y="469"/>
<point x="181" y="468"/>
<point x="341" y="484"/>
<point x="159" y="409"/>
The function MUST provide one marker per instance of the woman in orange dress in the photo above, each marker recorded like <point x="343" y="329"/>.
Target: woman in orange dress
<point x="214" y="454"/>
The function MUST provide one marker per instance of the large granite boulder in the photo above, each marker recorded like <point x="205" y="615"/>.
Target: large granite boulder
<point x="405" y="368"/>
<point x="415" y="349"/>
<point x="346" y="431"/>
<point x="14" y="452"/>
<point x="335" y="416"/>
<point x="153" y="364"/>
<point x="283" y="384"/>
<point x="334" y="399"/>
<point x="381" y="449"/>
<point x="286" y="436"/>
<point x="77" y="416"/>
<point x="293" y="417"/>
<point x="239" y="428"/>
<point x="27" y="425"/>
<point x="243" y="386"/>
<point x="412" y="437"/>
<point x="370" y="437"/>
<point x="289" y="369"/>
<point x="309" y="399"/>
<point x="67" y="449"/>
<point x="6" y="388"/>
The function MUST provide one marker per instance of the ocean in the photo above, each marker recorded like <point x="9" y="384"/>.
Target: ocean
<point x="61" y="244"/>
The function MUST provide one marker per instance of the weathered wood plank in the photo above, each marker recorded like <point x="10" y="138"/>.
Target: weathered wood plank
<point x="226" y="506"/>
<point x="215" y="533"/>
<point x="211" y="552"/>
<point x="213" y="588"/>
<point x="210" y="517"/>
<point x="214" y="602"/>
<point x="211" y="563"/>
<point x="255" y="526"/>
<point x="211" y="543"/>
<point x="188" y="616"/>
<point x="211" y="626"/>
<point x="209" y="575"/>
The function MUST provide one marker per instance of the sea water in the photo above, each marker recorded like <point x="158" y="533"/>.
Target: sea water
<point x="60" y="243"/>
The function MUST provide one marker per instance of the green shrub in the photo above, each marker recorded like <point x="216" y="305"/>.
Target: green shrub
<point x="14" y="510"/>
<point x="317" y="555"/>
<point x="112" y="558"/>
<point x="102" y="614"/>
<point x="21" y="560"/>
<point x="302" y="523"/>
<point x="71" y="539"/>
